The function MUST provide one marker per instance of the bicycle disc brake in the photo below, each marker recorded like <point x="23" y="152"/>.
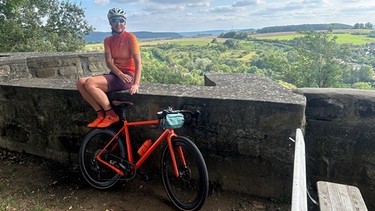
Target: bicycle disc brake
<point x="94" y="162"/>
<point x="185" y="174"/>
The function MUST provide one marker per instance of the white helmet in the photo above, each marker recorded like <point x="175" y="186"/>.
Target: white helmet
<point x="116" y="12"/>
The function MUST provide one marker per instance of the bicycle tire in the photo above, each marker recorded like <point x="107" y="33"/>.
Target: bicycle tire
<point x="97" y="174"/>
<point x="188" y="191"/>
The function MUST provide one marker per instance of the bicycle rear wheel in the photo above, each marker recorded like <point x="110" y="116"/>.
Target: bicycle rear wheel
<point x="96" y="173"/>
<point x="189" y="190"/>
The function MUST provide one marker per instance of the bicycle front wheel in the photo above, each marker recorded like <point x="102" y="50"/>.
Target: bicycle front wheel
<point x="189" y="190"/>
<point x="96" y="173"/>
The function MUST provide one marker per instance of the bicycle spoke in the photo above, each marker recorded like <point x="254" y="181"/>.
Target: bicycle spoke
<point x="96" y="173"/>
<point x="189" y="190"/>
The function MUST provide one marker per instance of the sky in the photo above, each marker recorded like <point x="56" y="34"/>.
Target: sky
<point x="203" y="15"/>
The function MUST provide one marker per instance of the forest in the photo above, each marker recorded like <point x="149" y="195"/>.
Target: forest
<point x="307" y="59"/>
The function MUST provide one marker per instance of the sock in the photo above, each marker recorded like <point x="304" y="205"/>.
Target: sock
<point x="101" y="113"/>
<point x="110" y="112"/>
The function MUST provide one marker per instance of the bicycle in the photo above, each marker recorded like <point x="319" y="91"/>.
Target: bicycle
<point x="106" y="156"/>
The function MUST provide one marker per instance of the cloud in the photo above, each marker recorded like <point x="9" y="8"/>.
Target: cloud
<point x="359" y="10"/>
<point x="163" y="11"/>
<point x="244" y="3"/>
<point x="104" y="2"/>
<point x="186" y="15"/>
<point x="124" y="2"/>
<point x="178" y="1"/>
<point x="222" y="9"/>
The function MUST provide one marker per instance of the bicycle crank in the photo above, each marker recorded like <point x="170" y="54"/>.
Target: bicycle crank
<point x="127" y="168"/>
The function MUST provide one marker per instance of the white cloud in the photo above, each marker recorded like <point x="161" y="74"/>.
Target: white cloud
<point x="243" y="3"/>
<point x="193" y="15"/>
<point x="177" y="1"/>
<point x="104" y="2"/>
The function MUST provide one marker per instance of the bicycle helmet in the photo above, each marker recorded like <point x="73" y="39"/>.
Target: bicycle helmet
<point x="116" y="12"/>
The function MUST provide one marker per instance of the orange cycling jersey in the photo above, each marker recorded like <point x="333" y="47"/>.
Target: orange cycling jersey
<point x="122" y="47"/>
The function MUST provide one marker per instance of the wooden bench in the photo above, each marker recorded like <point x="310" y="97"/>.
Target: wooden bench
<point x="332" y="196"/>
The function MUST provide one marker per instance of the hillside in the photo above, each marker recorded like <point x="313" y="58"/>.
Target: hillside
<point x="303" y="27"/>
<point x="98" y="37"/>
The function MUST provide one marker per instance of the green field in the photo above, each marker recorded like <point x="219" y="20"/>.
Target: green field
<point x="197" y="41"/>
<point x="343" y="37"/>
<point x="98" y="47"/>
<point x="349" y="36"/>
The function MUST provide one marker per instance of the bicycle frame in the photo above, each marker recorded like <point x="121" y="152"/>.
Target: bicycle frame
<point x="167" y="134"/>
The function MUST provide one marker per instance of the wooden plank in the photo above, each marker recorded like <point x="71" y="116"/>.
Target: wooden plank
<point x="339" y="197"/>
<point x="299" y="194"/>
<point x="324" y="199"/>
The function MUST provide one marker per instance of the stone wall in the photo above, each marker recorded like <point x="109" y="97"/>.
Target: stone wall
<point x="50" y="65"/>
<point x="340" y="138"/>
<point x="243" y="132"/>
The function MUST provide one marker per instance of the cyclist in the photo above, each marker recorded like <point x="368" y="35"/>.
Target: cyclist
<point x="123" y="58"/>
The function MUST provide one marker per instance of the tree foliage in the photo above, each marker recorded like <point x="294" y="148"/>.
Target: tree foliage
<point x="367" y="25"/>
<point x="42" y="25"/>
<point x="303" y="27"/>
<point x="312" y="59"/>
<point x="317" y="63"/>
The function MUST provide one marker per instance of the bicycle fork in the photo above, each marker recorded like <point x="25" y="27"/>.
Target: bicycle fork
<point x="173" y="156"/>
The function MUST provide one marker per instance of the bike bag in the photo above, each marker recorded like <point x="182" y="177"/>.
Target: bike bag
<point x="173" y="120"/>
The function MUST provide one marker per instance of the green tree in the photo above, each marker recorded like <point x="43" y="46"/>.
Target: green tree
<point x="42" y="25"/>
<point x="361" y="74"/>
<point x="362" y="85"/>
<point x="232" y="44"/>
<point x="359" y="26"/>
<point x="369" y="25"/>
<point x="9" y="8"/>
<point x="276" y="63"/>
<point x="317" y="64"/>
<point x="230" y="34"/>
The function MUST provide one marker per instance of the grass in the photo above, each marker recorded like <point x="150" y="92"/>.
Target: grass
<point x="355" y="37"/>
<point x="343" y="37"/>
<point x="98" y="47"/>
<point x="197" y="41"/>
<point x="277" y="37"/>
<point x="184" y="41"/>
<point x="2" y="186"/>
<point x="248" y="56"/>
<point x="12" y="202"/>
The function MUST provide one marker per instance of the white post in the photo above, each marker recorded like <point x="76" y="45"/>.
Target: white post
<point x="299" y="194"/>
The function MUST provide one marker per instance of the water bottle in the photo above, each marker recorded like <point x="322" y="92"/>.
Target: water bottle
<point x="145" y="146"/>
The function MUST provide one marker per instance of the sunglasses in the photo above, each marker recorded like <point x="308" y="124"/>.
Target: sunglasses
<point x="117" y="20"/>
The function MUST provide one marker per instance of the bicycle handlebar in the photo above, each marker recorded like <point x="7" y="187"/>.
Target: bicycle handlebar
<point x="193" y="114"/>
<point x="161" y="114"/>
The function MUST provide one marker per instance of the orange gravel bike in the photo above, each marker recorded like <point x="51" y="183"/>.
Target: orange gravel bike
<point x="106" y="157"/>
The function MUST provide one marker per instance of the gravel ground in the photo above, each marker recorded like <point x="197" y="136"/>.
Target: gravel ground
<point x="31" y="183"/>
